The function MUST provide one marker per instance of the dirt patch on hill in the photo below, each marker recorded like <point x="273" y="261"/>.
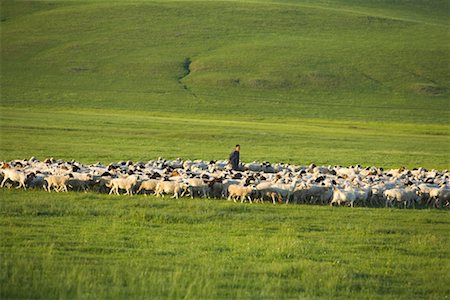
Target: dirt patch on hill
<point x="428" y="89"/>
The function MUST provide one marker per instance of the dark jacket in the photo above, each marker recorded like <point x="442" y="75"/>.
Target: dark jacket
<point x="234" y="160"/>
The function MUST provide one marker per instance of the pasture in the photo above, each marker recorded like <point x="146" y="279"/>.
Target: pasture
<point x="291" y="81"/>
<point x="76" y="245"/>
<point x="326" y="82"/>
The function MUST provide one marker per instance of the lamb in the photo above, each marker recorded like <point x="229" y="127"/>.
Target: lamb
<point x="122" y="183"/>
<point x="236" y="191"/>
<point x="148" y="186"/>
<point x="58" y="182"/>
<point x="13" y="175"/>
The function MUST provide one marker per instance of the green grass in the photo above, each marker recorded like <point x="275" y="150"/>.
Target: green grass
<point x="295" y="81"/>
<point x="327" y="82"/>
<point x="97" y="246"/>
<point x="91" y="135"/>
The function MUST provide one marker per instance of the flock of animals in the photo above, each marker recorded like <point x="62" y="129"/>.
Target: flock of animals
<point x="255" y="182"/>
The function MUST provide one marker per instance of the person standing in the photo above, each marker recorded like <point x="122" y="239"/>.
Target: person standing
<point x="233" y="160"/>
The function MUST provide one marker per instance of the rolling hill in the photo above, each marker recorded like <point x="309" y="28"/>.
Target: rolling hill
<point x="195" y="77"/>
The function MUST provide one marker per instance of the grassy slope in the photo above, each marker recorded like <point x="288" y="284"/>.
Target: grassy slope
<point x="95" y="246"/>
<point x="286" y="62"/>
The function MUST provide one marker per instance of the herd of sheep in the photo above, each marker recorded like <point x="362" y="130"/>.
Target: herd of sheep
<point x="255" y="182"/>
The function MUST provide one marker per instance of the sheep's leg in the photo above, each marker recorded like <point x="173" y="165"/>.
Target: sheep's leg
<point x="111" y="191"/>
<point x="229" y="198"/>
<point x="3" y="182"/>
<point x="249" y="199"/>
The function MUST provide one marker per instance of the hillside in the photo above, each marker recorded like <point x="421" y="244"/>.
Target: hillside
<point x="343" y="68"/>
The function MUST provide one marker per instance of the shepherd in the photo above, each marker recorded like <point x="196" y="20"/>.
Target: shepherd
<point x="234" y="158"/>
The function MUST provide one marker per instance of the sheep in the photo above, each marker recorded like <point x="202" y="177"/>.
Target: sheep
<point x="444" y="198"/>
<point x="13" y="175"/>
<point x="148" y="186"/>
<point x="261" y="188"/>
<point x="197" y="185"/>
<point x="101" y="184"/>
<point x="170" y="187"/>
<point x="370" y="186"/>
<point x="405" y="196"/>
<point x="363" y="194"/>
<point x="226" y="183"/>
<point x="58" y="182"/>
<point x="216" y="187"/>
<point x="37" y="181"/>
<point x="236" y="191"/>
<point x="438" y="197"/>
<point x="342" y="196"/>
<point x="126" y="184"/>
<point x="285" y="190"/>
<point x="392" y="195"/>
<point x="78" y="184"/>
<point x="272" y="194"/>
<point x="316" y="193"/>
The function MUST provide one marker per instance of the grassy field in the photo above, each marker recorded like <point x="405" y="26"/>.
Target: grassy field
<point x="337" y="82"/>
<point x="97" y="246"/>
<point x="326" y="81"/>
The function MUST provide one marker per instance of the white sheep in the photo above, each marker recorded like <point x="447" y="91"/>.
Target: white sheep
<point x="237" y="191"/>
<point x="58" y="182"/>
<point x="170" y="187"/>
<point x="126" y="184"/>
<point x="343" y="196"/>
<point x="197" y="185"/>
<point x="148" y="186"/>
<point x="13" y="175"/>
